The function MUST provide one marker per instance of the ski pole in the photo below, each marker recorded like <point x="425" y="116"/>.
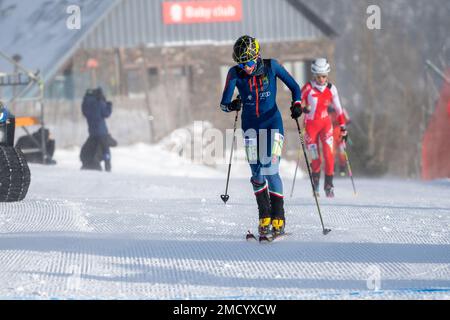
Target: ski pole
<point x="302" y="140"/>
<point x="350" y="173"/>
<point x="225" y="197"/>
<point x="295" y="174"/>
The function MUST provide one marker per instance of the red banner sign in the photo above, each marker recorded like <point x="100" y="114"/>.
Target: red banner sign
<point x="202" y="11"/>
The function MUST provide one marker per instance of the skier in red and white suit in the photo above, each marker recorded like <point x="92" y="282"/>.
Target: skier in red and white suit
<point x="339" y="144"/>
<point x="317" y="96"/>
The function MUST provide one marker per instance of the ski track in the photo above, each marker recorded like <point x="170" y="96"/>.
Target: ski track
<point x="122" y="236"/>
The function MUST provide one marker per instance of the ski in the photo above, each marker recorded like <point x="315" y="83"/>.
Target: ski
<point x="250" y="236"/>
<point x="264" y="238"/>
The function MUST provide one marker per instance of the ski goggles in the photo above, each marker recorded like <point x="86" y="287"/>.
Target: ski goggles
<point x="249" y="64"/>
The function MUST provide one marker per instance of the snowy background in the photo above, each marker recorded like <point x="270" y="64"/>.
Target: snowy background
<point x="156" y="228"/>
<point x="150" y="231"/>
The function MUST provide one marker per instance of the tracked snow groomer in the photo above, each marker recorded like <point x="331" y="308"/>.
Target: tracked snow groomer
<point x="15" y="176"/>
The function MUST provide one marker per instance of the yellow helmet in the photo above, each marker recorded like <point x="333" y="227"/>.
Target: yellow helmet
<point x="245" y="49"/>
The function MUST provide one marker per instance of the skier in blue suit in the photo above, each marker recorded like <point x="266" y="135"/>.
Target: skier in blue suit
<point x="256" y="81"/>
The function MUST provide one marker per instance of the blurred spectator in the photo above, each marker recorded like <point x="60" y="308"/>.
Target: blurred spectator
<point x="96" y="149"/>
<point x="339" y="144"/>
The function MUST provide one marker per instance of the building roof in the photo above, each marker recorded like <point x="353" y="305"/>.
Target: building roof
<point x="313" y="17"/>
<point x="140" y="22"/>
<point x="37" y="31"/>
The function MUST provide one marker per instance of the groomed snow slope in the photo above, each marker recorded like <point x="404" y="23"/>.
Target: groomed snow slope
<point x="91" y="235"/>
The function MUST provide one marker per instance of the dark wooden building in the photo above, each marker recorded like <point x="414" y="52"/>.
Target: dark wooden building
<point x="163" y="63"/>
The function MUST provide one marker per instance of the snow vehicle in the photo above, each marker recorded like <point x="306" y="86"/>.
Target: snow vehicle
<point x="15" y="176"/>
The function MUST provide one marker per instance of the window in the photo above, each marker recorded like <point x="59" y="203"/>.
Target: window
<point x="62" y="86"/>
<point x="135" y="83"/>
<point x="153" y="77"/>
<point x="299" y="70"/>
<point x="153" y="72"/>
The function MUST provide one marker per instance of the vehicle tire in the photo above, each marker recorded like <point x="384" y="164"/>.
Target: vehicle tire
<point x="15" y="176"/>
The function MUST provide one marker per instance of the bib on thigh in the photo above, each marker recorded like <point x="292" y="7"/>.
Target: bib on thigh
<point x="277" y="147"/>
<point x="313" y="151"/>
<point x="251" y="149"/>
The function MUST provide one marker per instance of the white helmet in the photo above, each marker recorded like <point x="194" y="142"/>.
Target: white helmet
<point x="320" y="66"/>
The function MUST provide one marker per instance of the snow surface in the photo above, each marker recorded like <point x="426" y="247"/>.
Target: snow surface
<point x="156" y="228"/>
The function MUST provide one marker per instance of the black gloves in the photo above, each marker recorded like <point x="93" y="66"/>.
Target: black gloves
<point x="236" y="105"/>
<point x="296" y="110"/>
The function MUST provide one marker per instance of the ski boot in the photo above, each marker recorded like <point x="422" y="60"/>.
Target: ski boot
<point x="264" y="227"/>
<point x="277" y="213"/>
<point x="278" y="227"/>
<point x="316" y="183"/>
<point x="329" y="188"/>
<point x="263" y="201"/>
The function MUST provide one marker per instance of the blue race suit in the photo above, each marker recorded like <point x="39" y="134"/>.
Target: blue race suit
<point x="258" y="93"/>
<point x="96" y="110"/>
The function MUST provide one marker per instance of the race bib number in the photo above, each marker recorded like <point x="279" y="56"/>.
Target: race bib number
<point x="278" y="142"/>
<point x="330" y="142"/>
<point x="251" y="149"/>
<point x="313" y="151"/>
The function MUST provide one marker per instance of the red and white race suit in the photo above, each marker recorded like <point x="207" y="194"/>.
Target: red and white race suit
<point x="318" y="123"/>
<point x="339" y="145"/>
